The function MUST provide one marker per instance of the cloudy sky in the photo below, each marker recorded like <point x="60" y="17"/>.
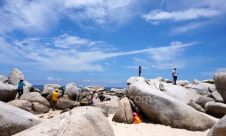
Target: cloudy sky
<point x="102" y="42"/>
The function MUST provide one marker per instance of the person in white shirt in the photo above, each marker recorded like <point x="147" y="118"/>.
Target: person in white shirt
<point x="174" y="75"/>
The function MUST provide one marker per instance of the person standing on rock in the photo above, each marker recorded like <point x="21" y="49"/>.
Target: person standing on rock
<point x="140" y="70"/>
<point x="20" y="88"/>
<point x="54" y="97"/>
<point x="174" y="75"/>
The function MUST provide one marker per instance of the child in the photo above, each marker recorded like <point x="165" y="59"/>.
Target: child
<point x="136" y="118"/>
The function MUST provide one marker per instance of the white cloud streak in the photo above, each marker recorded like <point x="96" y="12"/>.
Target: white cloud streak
<point x="188" y="27"/>
<point x="48" y="55"/>
<point x="165" y="57"/>
<point x="189" y="14"/>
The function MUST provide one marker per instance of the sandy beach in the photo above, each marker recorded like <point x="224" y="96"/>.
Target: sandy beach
<point x="149" y="129"/>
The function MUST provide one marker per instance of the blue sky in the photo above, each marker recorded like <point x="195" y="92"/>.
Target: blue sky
<point x="102" y="42"/>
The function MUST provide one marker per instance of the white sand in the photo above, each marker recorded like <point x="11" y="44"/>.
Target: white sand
<point x="143" y="129"/>
<point x="148" y="129"/>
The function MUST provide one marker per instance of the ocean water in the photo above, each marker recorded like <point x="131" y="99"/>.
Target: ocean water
<point x="40" y="87"/>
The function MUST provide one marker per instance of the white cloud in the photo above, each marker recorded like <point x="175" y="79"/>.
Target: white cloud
<point x="43" y="55"/>
<point x="40" y="16"/>
<point x="66" y="41"/>
<point x="187" y="27"/>
<point x="221" y="70"/>
<point x="165" y="57"/>
<point x="189" y="14"/>
<point x="27" y="15"/>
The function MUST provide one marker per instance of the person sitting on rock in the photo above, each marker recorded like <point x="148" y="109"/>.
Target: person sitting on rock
<point x="54" y="97"/>
<point x="20" y="88"/>
<point x="136" y="118"/>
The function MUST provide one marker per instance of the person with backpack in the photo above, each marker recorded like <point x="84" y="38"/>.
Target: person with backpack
<point x="20" y="88"/>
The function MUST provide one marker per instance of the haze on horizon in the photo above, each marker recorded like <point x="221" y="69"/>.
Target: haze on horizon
<point x="98" y="42"/>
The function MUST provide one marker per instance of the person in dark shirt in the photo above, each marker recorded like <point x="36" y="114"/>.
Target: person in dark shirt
<point x="140" y="70"/>
<point x="20" y="88"/>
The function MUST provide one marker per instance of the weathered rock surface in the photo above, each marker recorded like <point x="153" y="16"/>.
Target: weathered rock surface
<point x="215" y="109"/>
<point x="22" y="104"/>
<point x="72" y="91"/>
<point x="64" y="103"/>
<point x="182" y="82"/>
<point x="219" y="129"/>
<point x="109" y="106"/>
<point x="201" y="88"/>
<point x="202" y="100"/>
<point x="220" y="82"/>
<point x="14" y="120"/>
<point x="217" y="97"/>
<point x="7" y="92"/>
<point x="81" y="121"/>
<point x="176" y="91"/>
<point x="15" y="76"/>
<point x="124" y="113"/>
<point x="35" y="97"/>
<point x="164" y="109"/>
<point x="48" y="88"/>
<point x="196" y="106"/>
<point x="39" y="108"/>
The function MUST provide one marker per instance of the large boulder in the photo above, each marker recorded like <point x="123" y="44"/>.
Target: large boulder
<point x="219" y="129"/>
<point x="14" y="120"/>
<point x="220" y="82"/>
<point x="162" y="108"/>
<point x="182" y="82"/>
<point x="22" y="104"/>
<point x="72" y="91"/>
<point x="3" y="79"/>
<point x="176" y="91"/>
<point x="215" y="109"/>
<point x="81" y="121"/>
<point x="124" y="113"/>
<point x="39" y="108"/>
<point x="7" y="92"/>
<point x="64" y="103"/>
<point x="110" y="106"/>
<point x="216" y="96"/>
<point x="196" y="106"/>
<point x="15" y="76"/>
<point x="202" y="100"/>
<point x="48" y="88"/>
<point x="201" y="88"/>
<point x="35" y="97"/>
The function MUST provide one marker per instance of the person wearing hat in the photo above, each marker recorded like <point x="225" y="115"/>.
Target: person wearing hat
<point x="54" y="98"/>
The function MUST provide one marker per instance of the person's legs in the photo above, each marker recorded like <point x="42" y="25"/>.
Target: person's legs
<point x="53" y="103"/>
<point x="175" y="80"/>
<point x="19" y="93"/>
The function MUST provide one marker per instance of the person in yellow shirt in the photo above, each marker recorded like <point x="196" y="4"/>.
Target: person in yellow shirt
<point x="54" y="98"/>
